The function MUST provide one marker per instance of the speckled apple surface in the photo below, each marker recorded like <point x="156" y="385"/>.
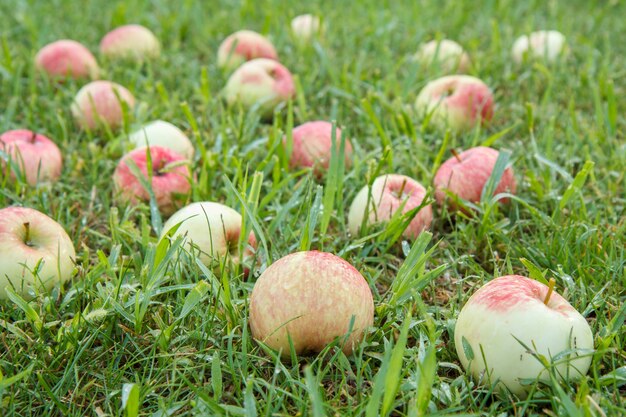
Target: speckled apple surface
<point x="100" y="102"/>
<point x="243" y="46"/>
<point x="67" y="58"/>
<point x="37" y="157"/>
<point x="312" y="146"/>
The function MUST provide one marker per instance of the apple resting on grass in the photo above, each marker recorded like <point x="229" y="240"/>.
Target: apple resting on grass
<point x="211" y="230"/>
<point x="445" y="54"/>
<point x="310" y="298"/>
<point x="66" y="58"/>
<point x="388" y="193"/>
<point x="171" y="178"/>
<point x="514" y="309"/>
<point x="312" y="146"/>
<point x="243" y="46"/>
<point x="460" y="102"/>
<point x="100" y="103"/>
<point x="36" y="157"/>
<point x="261" y="82"/>
<point x="133" y="42"/>
<point x="548" y="45"/>
<point x="466" y="174"/>
<point x="305" y="27"/>
<point x="161" y="133"/>
<point x="35" y="252"/>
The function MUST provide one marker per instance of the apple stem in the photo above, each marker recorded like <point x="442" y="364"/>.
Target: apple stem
<point x="27" y="235"/>
<point x="456" y="154"/>
<point x="551" y="285"/>
<point x="33" y="137"/>
<point x="402" y="189"/>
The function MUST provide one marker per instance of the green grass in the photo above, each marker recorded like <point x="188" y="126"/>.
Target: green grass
<point x="169" y="338"/>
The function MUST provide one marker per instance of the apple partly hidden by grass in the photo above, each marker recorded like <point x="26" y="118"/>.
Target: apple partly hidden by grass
<point x="99" y="103"/>
<point x="311" y="298"/>
<point x="444" y="54"/>
<point x="132" y="42"/>
<point x="161" y="133"/>
<point x="66" y="58"/>
<point x="36" y="157"/>
<point x="35" y="252"/>
<point x="242" y="46"/>
<point x="305" y="27"/>
<point x="547" y="45"/>
<point x="514" y="310"/>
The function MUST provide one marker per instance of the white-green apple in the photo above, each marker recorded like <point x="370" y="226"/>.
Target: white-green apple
<point x="547" y="45"/>
<point x="444" y="54"/>
<point x="242" y="46"/>
<point x="100" y="103"/>
<point x="133" y="42"/>
<point x="310" y="298"/>
<point x="35" y="156"/>
<point x="161" y="133"/>
<point x="66" y="58"/>
<point x="305" y="27"/>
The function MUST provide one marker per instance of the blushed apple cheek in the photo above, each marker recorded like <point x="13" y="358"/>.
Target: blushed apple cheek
<point x="284" y="86"/>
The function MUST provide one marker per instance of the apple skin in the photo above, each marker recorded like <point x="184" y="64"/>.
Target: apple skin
<point x="512" y="307"/>
<point x="467" y="178"/>
<point x="242" y="46"/>
<point x="132" y="42"/>
<point x="310" y="297"/>
<point x="548" y="45"/>
<point x="38" y="158"/>
<point x="97" y="104"/>
<point x="48" y="243"/>
<point x="312" y="146"/>
<point x="161" y="133"/>
<point x="305" y="27"/>
<point x="66" y="58"/>
<point x="460" y="102"/>
<point x="445" y="54"/>
<point x="385" y="202"/>
<point x="212" y="228"/>
<point x="261" y="82"/>
<point x="170" y="178"/>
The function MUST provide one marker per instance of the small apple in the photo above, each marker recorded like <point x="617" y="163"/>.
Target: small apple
<point x="466" y="174"/>
<point x="100" y="103"/>
<point x="161" y="133"/>
<point x="36" y="156"/>
<point x="171" y="178"/>
<point x="444" y="54"/>
<point x="312" y="146"/>
<point x="387" y="194"/>
<point x="35" y="252"/>
<point x="548" y="45"/>
<point x="211" y="231"/>
<point x="243" y="46"/>
<point x="305" y="27"/>
<point x="133" y="42"/>
<point x="460" y="102"/>
<point x="260" y="82"/>
<point x="512" y="310"/>
<point x="66" y="58"/>
<point x="310" y="298"/>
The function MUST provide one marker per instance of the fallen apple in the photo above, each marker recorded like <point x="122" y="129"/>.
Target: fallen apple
<point x="165" y="134"/>
<point x="100" y="103"/>
<point x="312" y="146"/>
<point x="242" y="46"/>
<point x="34" y="156"/>
<point x="444" y="54"/>
<point x="132" y="42"/>
<point x="67" y="58"/>
<point x="547" y="45"/>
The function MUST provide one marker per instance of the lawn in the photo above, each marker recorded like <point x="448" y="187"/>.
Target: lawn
<point x="137" y="332"/>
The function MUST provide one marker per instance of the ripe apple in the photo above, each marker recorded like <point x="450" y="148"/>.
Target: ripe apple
<point x="66" y="58"/>
<point x="312" y="146"/>
<point x="35" y="252"/>
<point x="444" y="54"/>
<point x="387" y="194"/>
<point x="457" y="101"/>
<point x="36" y="156"/>
<point x="161" y="133"/>
<point x="548" y="45"/>
<point x="305" y="27"/>
<point x="310" y="298"/>
<point x="211" y="231"/>
<point x="171" y="178"/>
<point x="243" y="46"/>
<point x="100" y="103"/>
<point x="514" y="309"/>
<point x="466" y="174"/>
<point x="260" y="82"/>
<point x="134" y="42"/>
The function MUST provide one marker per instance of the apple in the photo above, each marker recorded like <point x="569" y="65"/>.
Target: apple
<point x="260" y="82"/>
<point x="243" y="46"/>
<point x="312" y="146"/>
<point x="36" y="156"/>
<point x="513" y="309"/>
<point x="444" y="54"/>
<point x="211" y="231"/>
<point x="171" y="178"/>
<point x="305" y="27"/>
<point x="466" y="174"/>
<point x="387" y="194"/>
<point x="133" y="42"/>
<point x="548" y="45"/>
<point x="35" y="252"/>
<point x="459" y="102"/>
<point x="310" y="298"/>
<point x="66" y="58"/>
<point x="99" y="103"/>
<point x="161" y="133"/>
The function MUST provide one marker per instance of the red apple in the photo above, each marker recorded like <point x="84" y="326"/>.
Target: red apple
<point x="312" y="145"/>
<point x="242" y="46"/>
<point x="100" y="103"/>
<point x="36" y="156"/>
<point x="66" y="58"/>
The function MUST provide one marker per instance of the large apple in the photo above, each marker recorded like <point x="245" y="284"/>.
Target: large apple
<point x="514" y="310"/>
<point x="444" y="54"/>
<point x="165" y="134"/>
<point x="34" y="155"/>
<point x="99" y="103"/>
<point x="312" y="146"/>
<point x="548" y="45"/>
<point x="387" y="194"/>
<point x="35" y="252"/>
<point x="310" y="298"/>
<point x="134" y="42"/>
<point x="460" y="102"/>
<point x="66" y="58"/>
<point x="243" y="46"/>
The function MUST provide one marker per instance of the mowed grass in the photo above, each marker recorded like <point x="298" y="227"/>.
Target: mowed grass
<point x="136" y="331"/>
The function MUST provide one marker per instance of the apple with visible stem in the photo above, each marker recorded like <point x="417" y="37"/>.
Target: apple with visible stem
<point x="35" y="252"/>
<point x="305" y="27"/>
<point x="260" y="83"/>
<point x="35" y="156"/>
<point x="100" y="103"/>
<point x="132" y="42"/>
<point x="170" y="178"/>
<point x="310" y="298"/>
<point x="386" y="196"/>
<point x="444" y="54"/>
<point x="460" y="102"/>
<point x="547" y="45"/>
<point x="512" y="318"/>
<point x="66" y="58"/>
<point x="161" y="133"/>
<point x="242" y="46"/>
